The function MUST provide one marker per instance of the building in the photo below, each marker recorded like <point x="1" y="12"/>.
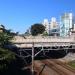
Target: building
<point x="54" y="27"/>
<point x="74" y="27"/>
<point x="1" y="29"/>
<point x="66" y="24"/>
<point x="46" y="24"/>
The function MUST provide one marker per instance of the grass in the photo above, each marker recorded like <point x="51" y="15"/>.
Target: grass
<point x="72" y="64"/>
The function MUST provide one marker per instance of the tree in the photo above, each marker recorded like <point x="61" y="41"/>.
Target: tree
<point x="45" y="34"/>
<point x="17" y="33"/>
<point x="4" y="39"/>
<point x="37" y="29"/>
<point x="6" y="56"/>
<point x="3" y="26"/>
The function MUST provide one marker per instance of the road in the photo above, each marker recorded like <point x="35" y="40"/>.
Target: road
<point x="52" y="67"/>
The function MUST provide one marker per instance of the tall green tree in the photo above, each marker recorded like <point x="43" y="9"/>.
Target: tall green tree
<point x="37" y="29"/>
<point x="4" y="39"/>
<point x="6" y="56"/>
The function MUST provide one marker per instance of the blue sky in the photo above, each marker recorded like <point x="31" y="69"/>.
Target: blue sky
<point x="19" y="15"/>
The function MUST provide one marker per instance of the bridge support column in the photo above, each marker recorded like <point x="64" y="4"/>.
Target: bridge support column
<point x="33" y="58"/>
<point x="43" y="50"/>
<point x="66" y="51"/>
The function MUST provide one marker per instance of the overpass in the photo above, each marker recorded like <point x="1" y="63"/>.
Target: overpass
<point x="40" y="41"/>
<point x="29" y="45"/>
<point x="45" y="44"/>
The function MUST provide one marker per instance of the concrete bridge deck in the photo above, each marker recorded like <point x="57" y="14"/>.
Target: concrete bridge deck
<point x="42" y="39"/>
<point x="24" y="42"/>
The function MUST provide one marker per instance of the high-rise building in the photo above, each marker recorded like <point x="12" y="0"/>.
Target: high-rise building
<point x="74" y="27"/>
<point x="66" y="24"/>
<point x="46" y="24"/>
<point x="54" y="27"/>
<point x="53" y="23"/>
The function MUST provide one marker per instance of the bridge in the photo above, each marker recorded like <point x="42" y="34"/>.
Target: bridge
<point x="29" y="45"/>
<point x="41" y="41"/>
<point x="44" y="43"/>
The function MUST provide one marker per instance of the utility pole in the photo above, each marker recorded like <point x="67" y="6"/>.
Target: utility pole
<point x="33" y="58"/>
